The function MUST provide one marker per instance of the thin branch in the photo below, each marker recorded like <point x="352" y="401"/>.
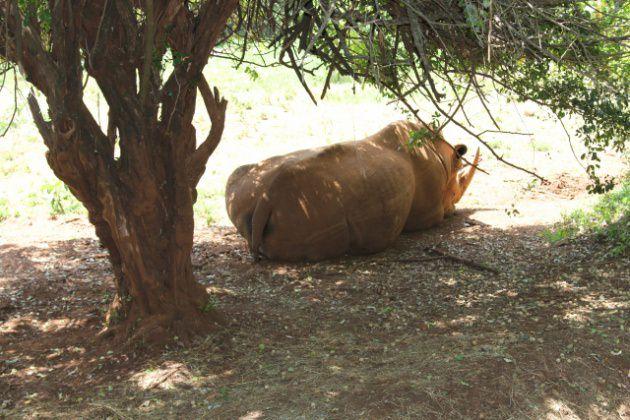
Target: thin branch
<point x="216" y="106"/>
<point x="480" y="140"/>
<point x="515" y="133"/>
<point x="442" y="253"/>
<point x="418" y="39"/>
<point x="570" y="142"/>
<point x="42" y="125"/>
<point x="101" y="34"/>
<point x="300" y="75"/>
<point x="327" y="82"/>
<point x="15" y="105"/>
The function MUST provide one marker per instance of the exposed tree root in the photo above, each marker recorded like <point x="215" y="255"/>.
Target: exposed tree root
<point x="161" y="330"/>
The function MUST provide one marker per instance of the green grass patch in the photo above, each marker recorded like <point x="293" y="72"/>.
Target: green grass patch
<point x="209" y="205"/>
<point x="60" y="199"/>
<point x="541" y="146"/>
<point x="498" y="144"/>
<point x="4" y="209"/>
<point x="608" y="219"/>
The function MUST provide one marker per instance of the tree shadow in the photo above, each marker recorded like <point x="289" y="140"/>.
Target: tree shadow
<point x="358" y="336"/>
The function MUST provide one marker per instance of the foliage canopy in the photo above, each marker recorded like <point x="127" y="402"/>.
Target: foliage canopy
<point x="570" y="56"/>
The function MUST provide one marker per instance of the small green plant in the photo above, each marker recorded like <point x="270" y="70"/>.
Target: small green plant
<point x="513" y="211"/>
<point x="532" y="184"/>
<point x="4" y="209"/>
<point x="208" y="206"/>
<point x="417" y="138"/>
<point x="252" y="73"/>
<point x="386" y="310"/>
<point x="210" y="305"/>
<point x="608" y="219"/>
<point x="500" y="145"/>
<point x="541" y="146"/>
<point x="224" y="393"/>
<point x="60" y="199"/>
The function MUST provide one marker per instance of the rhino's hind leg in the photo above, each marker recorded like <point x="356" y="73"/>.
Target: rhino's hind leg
<point x="259" y="221"/>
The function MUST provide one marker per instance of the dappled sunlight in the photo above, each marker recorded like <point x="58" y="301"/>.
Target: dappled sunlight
<point x="399" y="333"/>
<point x="476" y="316"/>
<point x="221" y="291"/>
<point x="167" y="376"/>
<point x="559" y="410"/>
<point x="437" y="334"/>
<point x="253" y="415"/>
<point x="13" y="325"/>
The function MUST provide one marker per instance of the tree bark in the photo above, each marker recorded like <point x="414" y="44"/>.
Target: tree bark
<point x="146" y="224"/>
<point x="141" y="202"/>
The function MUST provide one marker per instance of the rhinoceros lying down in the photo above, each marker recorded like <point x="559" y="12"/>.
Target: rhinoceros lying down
<point x="354" y="197"/>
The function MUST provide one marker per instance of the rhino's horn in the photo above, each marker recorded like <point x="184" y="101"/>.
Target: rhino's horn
<point x="464" y="179"/>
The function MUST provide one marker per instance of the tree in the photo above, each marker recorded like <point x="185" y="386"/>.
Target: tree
<point x="138" y="179"/>
<point x="140" y="202"/>
<point x="570" y="56"/>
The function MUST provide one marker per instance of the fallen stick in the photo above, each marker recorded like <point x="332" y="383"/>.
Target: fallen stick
<point x="416" y="260"/>
<point x="443" y="254"/>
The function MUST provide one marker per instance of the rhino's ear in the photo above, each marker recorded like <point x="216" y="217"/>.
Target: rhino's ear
<point x="461" y="150"/>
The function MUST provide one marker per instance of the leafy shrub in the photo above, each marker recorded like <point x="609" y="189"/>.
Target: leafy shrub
<point x="60" y="199"/>
<point x="608" y="219"/>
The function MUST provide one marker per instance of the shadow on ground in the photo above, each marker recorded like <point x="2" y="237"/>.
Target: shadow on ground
<point x="355" y="337"/>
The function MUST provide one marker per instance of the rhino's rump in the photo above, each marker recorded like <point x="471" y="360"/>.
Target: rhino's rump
<point x="359" y="204"/>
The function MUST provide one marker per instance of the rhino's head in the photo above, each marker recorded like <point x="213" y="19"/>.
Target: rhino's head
<point x="459" y="178"/>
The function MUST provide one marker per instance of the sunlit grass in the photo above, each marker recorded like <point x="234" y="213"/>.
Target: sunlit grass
<point x="608" y="219"/>
<point x="269" y="113"/>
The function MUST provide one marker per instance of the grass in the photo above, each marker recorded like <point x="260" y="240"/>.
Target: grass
<point x="608" y="219"/>
<point x="259" y="98"/>
<point x="358" y="338"/>
<point x="4" y="209"/>
<point x="269" y="113"/>
<point x="209" y="205"/>
<point x="500" y="145"/>
<point x="60" y="199"/>
<point x="541" y="145"/>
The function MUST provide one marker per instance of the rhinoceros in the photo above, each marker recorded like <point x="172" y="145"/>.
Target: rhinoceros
<point x="348" y="198"/>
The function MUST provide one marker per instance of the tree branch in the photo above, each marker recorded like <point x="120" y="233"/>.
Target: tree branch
<point x="216" y="106"/>
<point x="43" y="126"/>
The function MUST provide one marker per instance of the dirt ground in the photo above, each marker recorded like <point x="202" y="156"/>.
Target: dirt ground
<point x="527" y="330"/>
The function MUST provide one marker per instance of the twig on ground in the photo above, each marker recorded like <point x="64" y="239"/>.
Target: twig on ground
<point x="110" y="408"/>
<point x="417" y="260"/>
<point x="443" y="254"/>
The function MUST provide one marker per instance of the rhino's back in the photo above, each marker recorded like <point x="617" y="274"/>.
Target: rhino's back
<point x="349" y="197"/>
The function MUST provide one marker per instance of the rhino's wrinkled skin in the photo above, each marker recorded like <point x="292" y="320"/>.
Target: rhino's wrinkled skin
<point x="353" y="197"/>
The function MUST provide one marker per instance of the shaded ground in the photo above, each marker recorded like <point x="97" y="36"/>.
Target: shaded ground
<point x="389" y="335"/>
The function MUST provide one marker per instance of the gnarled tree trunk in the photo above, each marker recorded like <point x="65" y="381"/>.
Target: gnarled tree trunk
<point x="141" y="202"/>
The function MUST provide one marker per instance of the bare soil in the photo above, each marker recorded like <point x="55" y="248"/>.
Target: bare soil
<point x="393" y="335"/>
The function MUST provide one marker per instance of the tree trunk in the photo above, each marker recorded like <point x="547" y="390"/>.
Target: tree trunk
<point x="144" y="218"/>
<point x="142" y="208"/>
<point x="140" y="202"/>
<point x="157" y="299"/>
